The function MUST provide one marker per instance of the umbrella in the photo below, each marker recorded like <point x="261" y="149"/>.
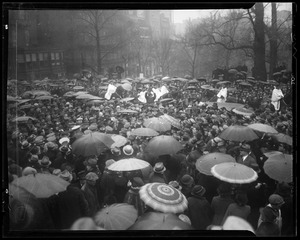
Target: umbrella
<point x="93" y="143"/>
<point x="95" y="101"/>
<point x="279" y="166"/>
<point x="146" y="81"/>
<point x="173" y="121"/>
<point x="119" y="140"/>
<point x="159" y="221"/>
<point x="273" y="82"/>
<point x="233" y="172"/>
<point x="201" y="79"/>
<point x="277" y="73"/>
<point x="129" y="164"/>
<point x="191" y="88"/>
<point x="166" y="99"/>
<point x="163" y="198"/>
<point x="40" y="93"/>
<point x="126" y="99"/>
<point x="215" y="80"/>
<point x="233" y="70"/>
<point x="69" y="94"/>
<point x="157" y="124"/>
<point x="252" y="78"/>
<point x="80" y="93"/>
<point x="44" y="97"/>
<point x="86" y="96"/>
<point x="206" y="86"/>
<point x="238" y="133"/>
<point x="227" y="105"/>
<point x="262" y="128"/>
<point x="245" y="84"/>
<point x="23" y="119"/>
<point x="78" y="88"/>
<point x="118" y="216"/>
<point x="162" y="145"/>
<point x="243" y="111"/>
<point x="144" y="132"/>
<point x="127" y="111"/>
<point x="283" y="138"/>
<point x="193" y="81"/>
<point x="222" y="82"/>
<point x="231" y="89"/>
<point x="26" y="106"/>
<point x="127" y="86"/>
<point x="42" y="185"/>
<point x="207" y="161"/>
<point x="165" y="78"/>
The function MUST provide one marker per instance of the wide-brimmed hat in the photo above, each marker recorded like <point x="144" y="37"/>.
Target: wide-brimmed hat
<point x="45" y="162"/>
<point x="64" y="140"/>
<point x="56" y="172"/>
<point x="128" y="150"/>
<point x="116" y="151"/>
<point x="34" y="158"/>
<point x="64" y="149"/>
<point x="25" y="145"/>
<point x="198" y="191"/>
<point x="175" y="184"/>
<point x="39" y="140"/>
<point x="91" y="176"/>
<point x="66" y="175"/>
<point x="276" y="199"/>
<point x="187" y="180"/>
<point x="159" y="167"/>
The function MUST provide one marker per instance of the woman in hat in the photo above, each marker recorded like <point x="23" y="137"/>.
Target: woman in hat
<point x="158" y="174"/>
<point x="199" y="210"/>
<point x="220" y="203"/>
<point x="239" y="208"/>
<point x="132" y="197"/>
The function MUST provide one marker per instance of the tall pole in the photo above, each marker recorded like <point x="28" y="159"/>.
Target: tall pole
<point x="16" y="49"/>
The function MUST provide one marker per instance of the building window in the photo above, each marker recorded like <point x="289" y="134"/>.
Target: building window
<point x="57" y="56"/>
<point x="41" y="57"/>
<point x="21" y="58"/>
<point x="52" y="56"/>
<point x="33" y="57"/>
<point x="28" y="58"/>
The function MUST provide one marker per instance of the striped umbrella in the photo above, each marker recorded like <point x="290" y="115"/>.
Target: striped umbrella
<point x="163" y="198"/>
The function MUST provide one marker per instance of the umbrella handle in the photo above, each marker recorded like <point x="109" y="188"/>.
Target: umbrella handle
<point x="263" y="136"/>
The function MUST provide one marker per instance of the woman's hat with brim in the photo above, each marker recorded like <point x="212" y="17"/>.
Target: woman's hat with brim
<point x="66" y="175"/>
<point x="128" y="150"/>
<point x="175" y="184"/>
<point x="25" y="145"/>
<point x="187" y="180"/>
<point x="45" y="162"/>
<point x="198" y="191"/>
<point x="159" y="167"/>
<point x="63" y="140"/>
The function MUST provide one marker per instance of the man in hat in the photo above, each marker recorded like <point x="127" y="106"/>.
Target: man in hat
<point x="199" y="210"/>
<point x="187" y="183"/>
<point x="158" y="174"/>
<point x="273" y="208"/>
<point x="246" y="159"/>
<point x="128" y="151"/>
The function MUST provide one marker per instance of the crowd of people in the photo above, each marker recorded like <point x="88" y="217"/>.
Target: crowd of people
<point x="43" y="144"/>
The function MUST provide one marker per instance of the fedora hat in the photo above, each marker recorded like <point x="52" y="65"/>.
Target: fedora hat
<point x="29" y="170"/>
<point x="245" y="147"/>
<point x="25" y="145"/>
<point x="128" y="150"/>
<point x="198" y="191"/>
<point x="66" y="175"/>
<point x="33" y="159"/>
<point x="56" y="172"/>
<point x="45" y="162"/>
<point x="159" y="167"/>
<point x="175" y="184"/>
<point x="187" y="180"/>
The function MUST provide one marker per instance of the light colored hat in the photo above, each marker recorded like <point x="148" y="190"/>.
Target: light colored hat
<point x="159" y="167"/>
<point x="128" y="150"/>
<point x="29" y="170"/>
<point x="91" y="176"/>
<point x="109" y="162"/>
<point x="66" y="175"/>
<point x="64" y="139"/>
<point x="75" y="127"/>
<point x="45" y="162"/>
<point x="56" y="172"/>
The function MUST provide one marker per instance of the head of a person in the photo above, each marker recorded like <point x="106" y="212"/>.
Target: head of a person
<point x="159" y="168"/>
<point x="276" y="201"/>
<point x="241" y="199"/>
<point x="245" y="149"/>
<point x="91" y="178"/>
<point x="187" y="181"/>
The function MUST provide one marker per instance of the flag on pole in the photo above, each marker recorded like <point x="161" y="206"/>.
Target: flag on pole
<point x="110" y="90"/>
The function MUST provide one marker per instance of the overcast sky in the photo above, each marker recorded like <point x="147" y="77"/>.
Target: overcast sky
<point x="181" y="15"/>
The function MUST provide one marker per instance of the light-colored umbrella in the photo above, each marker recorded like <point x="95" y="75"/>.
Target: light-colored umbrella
<point x="173" y="121"/>
<point x="162" y="145"/>
<point x="119" y="216"/>
<point x="44" y="98"/>
<point x="80" y="93"/>
<point x="119" y="140"/>
<point x="233" y="172"/>
<point x="129" y="164"/>
<point x="126" y="111"/>
<point x="127" y="86"/>
<point x="157" y="124"/>
<point x="24" y="118"/>
<point x="144" y="132"/>
<point x="207" y="161"/>
<point x="279" y="166"/>
<point x="126" y="99"/>
<point x="160" y="221"/>
<point x="78" y="87"/>
<point x="163" y="198"/>
<point x="243" y="111"/>
<point x="238" y="133"/>
<point x="69" y="94"/>
<point x="42" y="185"/>
<point x="262" y="128"/>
